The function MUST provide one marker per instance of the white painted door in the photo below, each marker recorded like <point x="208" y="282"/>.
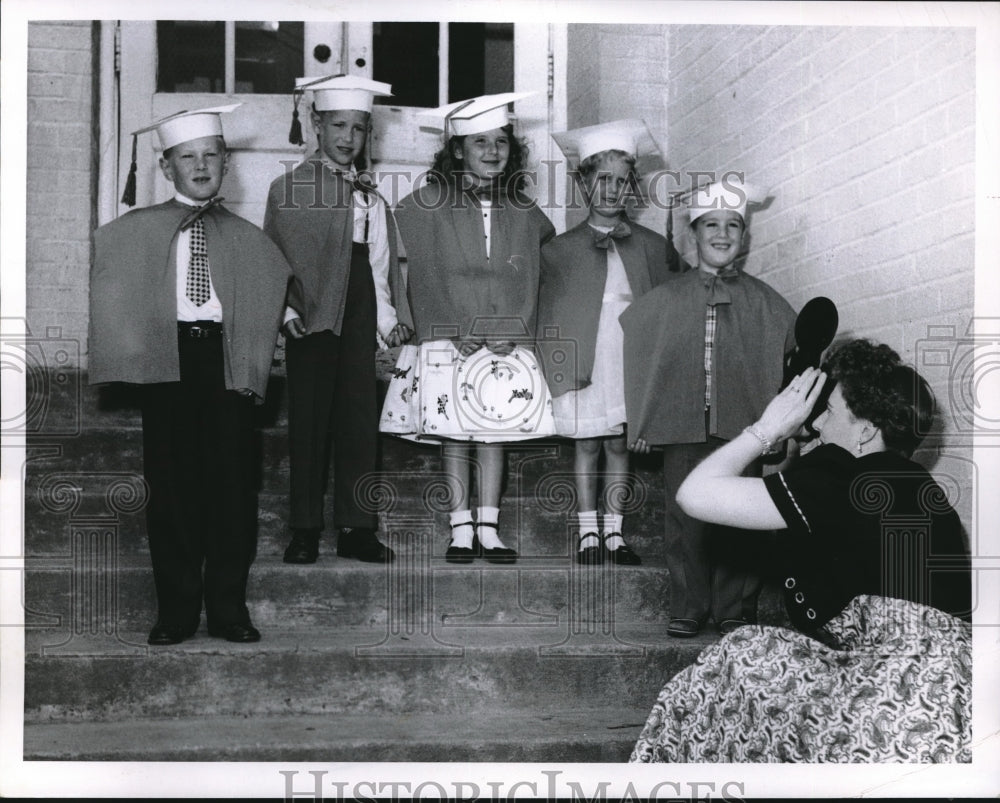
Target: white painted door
<point x="257" y="132"/>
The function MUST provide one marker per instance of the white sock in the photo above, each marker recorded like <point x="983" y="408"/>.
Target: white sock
<point x="613" y="524"/>
<point x="488" y="535"/>
<point x="461" y="536"/>
<point x="588" y="529"/>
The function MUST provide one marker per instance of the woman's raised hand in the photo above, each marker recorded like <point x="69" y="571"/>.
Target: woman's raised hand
<point x="788" y="411"/>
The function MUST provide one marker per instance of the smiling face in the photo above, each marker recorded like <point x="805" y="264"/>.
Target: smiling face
<point x="483" y="156"/>
<point x="718" y="235"/>
<point x="196" y="167"/>
<point x="341" y="134"/>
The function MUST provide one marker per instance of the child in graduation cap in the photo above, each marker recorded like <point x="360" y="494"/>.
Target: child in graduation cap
<point x="704" y="354"/>
<point x="185" y="302"/>
<point x="337" y="234"/>
<point x="472" y="242"/>
<point x="590" y="275"/>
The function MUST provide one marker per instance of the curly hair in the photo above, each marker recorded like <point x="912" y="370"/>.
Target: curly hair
<point x="446" y="168"/>
<point x="878" y="386"/>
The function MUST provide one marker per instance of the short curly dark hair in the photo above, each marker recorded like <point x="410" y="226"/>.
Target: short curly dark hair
<point x="446" y="167"/>
<point x="879" y="387"/>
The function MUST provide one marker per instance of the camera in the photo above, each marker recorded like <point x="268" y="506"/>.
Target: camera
<point x="966" y="365"/>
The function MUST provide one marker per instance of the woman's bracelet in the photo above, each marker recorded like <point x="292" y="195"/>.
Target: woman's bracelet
<point x="766" y="446"/>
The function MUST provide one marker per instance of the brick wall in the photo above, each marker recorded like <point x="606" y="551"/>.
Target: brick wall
<point x="616" y="72"/>
<point x="59" y="176"/>
<point x="865" y="137"/>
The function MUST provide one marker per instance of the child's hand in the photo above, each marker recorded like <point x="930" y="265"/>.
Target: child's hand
<point x="399" y="335"/>
<point x="501" y="347"/>
<point x="467" y="348"/>
<point x="294" y="328"/>
<point x="639" y="446"/>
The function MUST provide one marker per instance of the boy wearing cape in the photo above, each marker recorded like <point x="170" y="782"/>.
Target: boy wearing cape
<point x="703" y="356"/>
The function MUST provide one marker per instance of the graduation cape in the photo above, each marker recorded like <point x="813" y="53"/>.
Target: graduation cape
<point x="133" y="296"/>
<point x="665" y="358"/>
<point x="310" y="215"/>
<point x="455" y="292"/>
<point x="571" y="294"/>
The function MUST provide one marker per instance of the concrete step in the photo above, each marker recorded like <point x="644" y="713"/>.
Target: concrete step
<point x="353" y="671"/>
<point x="543" y="466"/>
<point x="92" y="593"/>
<point x="533" y="526"/>
<point x="591" y="735"/>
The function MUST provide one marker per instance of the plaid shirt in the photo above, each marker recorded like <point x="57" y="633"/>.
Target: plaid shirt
<point x="709" y="344"/>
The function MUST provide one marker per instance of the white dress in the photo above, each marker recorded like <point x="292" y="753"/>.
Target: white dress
<point x="598" y="410"/>
<point x="436" y="393"/>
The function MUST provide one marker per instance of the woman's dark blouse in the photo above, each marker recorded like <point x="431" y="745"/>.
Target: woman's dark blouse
<point x="877" y="524"/>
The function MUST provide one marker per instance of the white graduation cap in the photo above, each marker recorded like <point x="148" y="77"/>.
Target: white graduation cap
<point x="187" y="125"/>
<point x="631" y="136"/>
<point x="472" y="116"/>
<point x="335" y="93"/>
<point x="174" y="129"/>
<point x="730" y="193"/>
<point x="340" y="92"/>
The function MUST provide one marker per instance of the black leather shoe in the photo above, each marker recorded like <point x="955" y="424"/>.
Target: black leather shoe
<point x="162" y="635"/>
<point x="589" y="555"/>
<point x="459" y="554"/>
<point x="683" y="628"/>
<point x="238" y="632"/>
<point x="497" y="554"/>
<point x="623" y="556"/>
<point x="361" y="543"/>
<point x="304" y="546"/>
<point x="500" y="554"/>
<point x="727" y="626"/>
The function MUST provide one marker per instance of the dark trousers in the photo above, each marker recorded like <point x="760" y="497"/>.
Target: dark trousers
<point x="332" y="401"/>
<point x="714" y="570"/>
<point x="198" y="452"/>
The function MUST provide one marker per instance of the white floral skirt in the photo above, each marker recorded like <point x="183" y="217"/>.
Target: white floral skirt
<point x="436" y="393"/>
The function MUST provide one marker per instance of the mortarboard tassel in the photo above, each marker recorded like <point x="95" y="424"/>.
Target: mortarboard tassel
<point x="295" y="133"/>
<point x="128" y="197"/>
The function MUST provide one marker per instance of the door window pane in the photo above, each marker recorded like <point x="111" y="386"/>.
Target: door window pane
<point x="268" y="56"/>
<point x="480" y="59"/>
<point x="405" y="54"/>
<point x="190" y="56"/>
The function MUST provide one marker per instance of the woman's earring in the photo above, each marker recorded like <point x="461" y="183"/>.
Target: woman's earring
<point x="859" y="446"/>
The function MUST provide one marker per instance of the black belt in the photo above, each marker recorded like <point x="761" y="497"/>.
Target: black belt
<point x="199" y="329"/>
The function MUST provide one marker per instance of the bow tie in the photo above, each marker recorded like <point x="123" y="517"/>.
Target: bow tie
<point x="718" y="293"/>
<point x="361" y="182"/>
<point x="602" y="238"/>
<point x="197" y="211"/>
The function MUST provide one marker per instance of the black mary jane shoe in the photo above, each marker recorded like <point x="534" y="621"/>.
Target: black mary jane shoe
<point x="304" y="546"/>
<point x="623" y="556"/>
<point x="499" y="554"/>
<point x="589" y="555"/>
<point x="237" y="632"/>
<point x="360" y="543"/>
<point x="460" y="554"/>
